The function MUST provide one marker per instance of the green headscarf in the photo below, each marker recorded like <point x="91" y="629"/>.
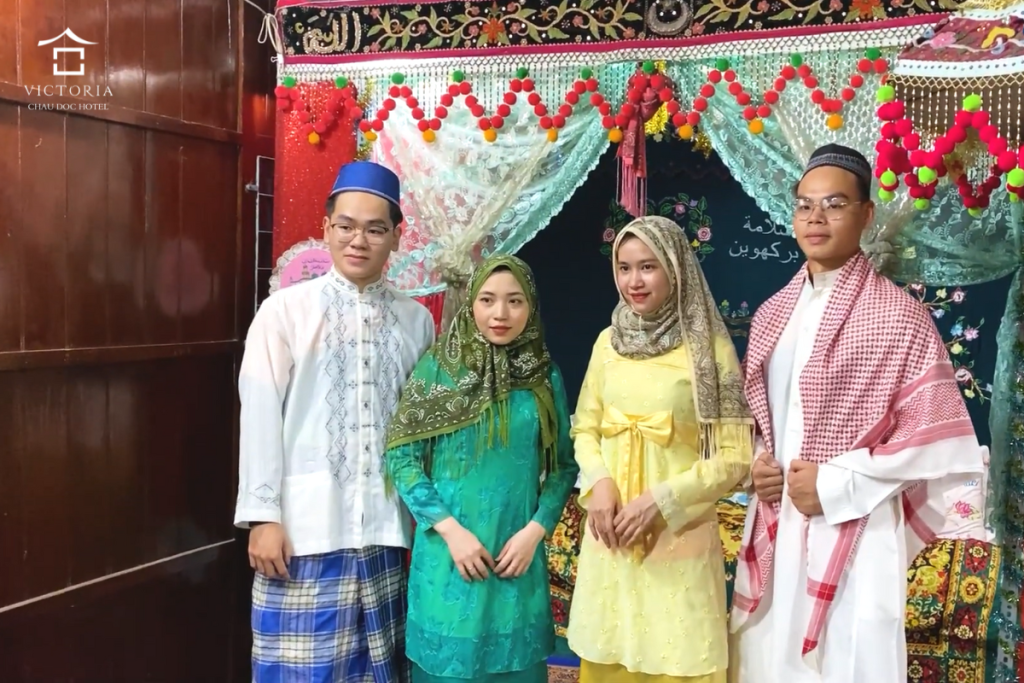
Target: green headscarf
<point x="470" y="380"/>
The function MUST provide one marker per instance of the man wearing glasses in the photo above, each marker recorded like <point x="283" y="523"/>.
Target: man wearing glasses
<point x="862" y="429"/>
<point x="324" y="363"/>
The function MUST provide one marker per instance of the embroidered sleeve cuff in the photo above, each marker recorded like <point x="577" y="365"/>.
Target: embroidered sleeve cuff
<point x="667" y="503"/>
<point x="247" y="516"/>
<point x="835" y="493"/>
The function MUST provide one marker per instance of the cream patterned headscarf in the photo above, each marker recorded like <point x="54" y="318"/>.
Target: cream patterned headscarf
<point x="689" y="316"/>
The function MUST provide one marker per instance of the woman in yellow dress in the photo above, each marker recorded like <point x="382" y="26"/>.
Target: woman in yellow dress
<point x="662" y="432"/>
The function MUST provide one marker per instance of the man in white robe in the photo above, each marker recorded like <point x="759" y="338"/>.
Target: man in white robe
<point x="325" y="361"/>
<point x="862" y="431"/>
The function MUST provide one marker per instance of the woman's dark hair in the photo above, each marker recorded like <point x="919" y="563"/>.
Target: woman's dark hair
<point x="394" y="213"/>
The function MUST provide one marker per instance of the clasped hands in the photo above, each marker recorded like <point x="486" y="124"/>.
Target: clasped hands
<point x="475" y="563"/>
<point x="803" y="483"/>
<point x="617" y="525"/>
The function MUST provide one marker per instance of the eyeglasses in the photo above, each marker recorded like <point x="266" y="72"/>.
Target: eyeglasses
<point x="374" y="234"/>
<point x="832" y="207"/>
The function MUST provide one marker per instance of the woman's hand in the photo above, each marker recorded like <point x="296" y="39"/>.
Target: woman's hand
<point x="470" y="556"/>
<point x="515" y="558"/>
<point x="603" y="506"/>
<point x="636" y="519"/>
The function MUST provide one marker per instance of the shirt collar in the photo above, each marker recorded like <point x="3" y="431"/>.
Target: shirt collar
<point x="822" y="281"/>
<point x="345" y="285"/>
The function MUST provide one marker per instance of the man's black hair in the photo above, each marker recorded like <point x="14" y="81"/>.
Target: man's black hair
<point x="393" y="212"/>
<point x="863" y="187"/>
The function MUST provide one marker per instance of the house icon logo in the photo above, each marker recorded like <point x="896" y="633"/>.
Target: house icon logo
<point x="57" y="50"/>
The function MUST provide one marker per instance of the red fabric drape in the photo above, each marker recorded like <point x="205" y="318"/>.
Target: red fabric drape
<point x="304" y="173"/>
<point x="434" y="304"/>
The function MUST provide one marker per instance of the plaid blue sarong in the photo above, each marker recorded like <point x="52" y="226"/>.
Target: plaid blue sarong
<point x="339" y="619"/>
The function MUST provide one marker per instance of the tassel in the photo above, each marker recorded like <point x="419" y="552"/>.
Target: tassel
<point x="633" y="169"/>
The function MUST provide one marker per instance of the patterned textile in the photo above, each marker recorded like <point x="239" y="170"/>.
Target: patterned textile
<point x="484" y="374"/>
<point x="688" y="315"/>
<point x="952" y="588"/>
<point x="909" y="368"/>
<point x="339" y="619"/>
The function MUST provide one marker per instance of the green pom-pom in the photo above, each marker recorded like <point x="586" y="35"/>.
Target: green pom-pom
<point x="886" y="195"/>
<point x="522" y="72"/>
<point x="795" y="60"/>
<point x="926" y="175"/>
<point x="458" y="76"/>
<point x="721" y="63"/>
<point x="288" y="82"/>
<point x="886" y="93"/>
<point x="1014" y="197"/>
<point x="922" y="204"/>
<point x="1015" y="177"/>
<point x="872" y="53"/>
<point x="648" y="67"/>
<point x="888" y="178"/>
<point x="340" y="82"/>
<point x="975" y="212"/>
<point x="586" y="72"/>
<point x="397" y="79"/>
<point x="972" y="102"/>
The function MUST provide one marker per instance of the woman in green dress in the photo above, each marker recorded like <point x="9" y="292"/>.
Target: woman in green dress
<point x="480" y="452"/>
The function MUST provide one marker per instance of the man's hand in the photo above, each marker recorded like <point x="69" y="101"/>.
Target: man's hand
<point x="803" y="487"/>
<point x="515" y="558"/>
<point x="767" y="476"/>
<point x="269" y="550"/>
<point x="602" y="508"/>
<point x="636" y="519"/>
<point x="470" y="556"/>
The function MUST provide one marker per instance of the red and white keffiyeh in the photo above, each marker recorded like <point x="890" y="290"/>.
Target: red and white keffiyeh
<point x="879" y="378"/>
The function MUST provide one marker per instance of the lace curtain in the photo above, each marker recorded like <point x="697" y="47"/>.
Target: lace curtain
<point x="466" y="198"/>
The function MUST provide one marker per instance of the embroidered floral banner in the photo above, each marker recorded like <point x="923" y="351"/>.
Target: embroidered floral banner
<point x="324" y="30"/>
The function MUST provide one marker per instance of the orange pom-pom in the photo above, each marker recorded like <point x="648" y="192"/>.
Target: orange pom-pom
<point x="685" y="131"/>
<point x="370" y="136"/>
<point x="428" y="136"/>
<point x="490" y="135"/>
<point x="834" y="121"/>
<point x="756" y="126"/>
<point x="615" y="135"/>
<point x="314" y="138"/>
<point x="552" y="134"/>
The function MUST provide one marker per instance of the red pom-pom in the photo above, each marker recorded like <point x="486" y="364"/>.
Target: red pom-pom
<point x="565" y="111"/>
<point x="453" y="89"/>
<point x="743" y="99"/>
<point x="435" y="124"/>
<point x="881" y="65"/>
<point x="299" y="104"/>
<point x="515" y="85"/>
<point x="477" y="111"/>
<point x="635" y="96"/>
<point x="707" y="90"/>
<point x="714" y="75"/>
<point x="608" y="122"/>
<point x="811" y="82"/>
<point x="749" y="114"/>
<point x="979" y="119"/>
<point x="281" y="91"/>
<point x="572" y="98"/>
<point x="665" y="94"/>
<point x="957" y="134"/>
<point x="788" y="72"/>
<point x="364" y="126"/>
<point x="780" y="84"/>
<point x="963" y="118"/>
<point x="405" y="91"/>
<point x="423" y="125"/>
<point x="943" y="145"/>
<point x="729" y="75"/>
<point x="411" y="102"/>
<point x="803" y="71"/>
<point x="579" y="87"/>
<point x="911" y="180"/>
<point x="592" y="84"/>
<point x="329" y="120"/>
<point x="497" y="122"/>
<point x="817" y="96"/>
<point x="417" y="113"/>
<point x="504" y="110"/>
<point x="540" y="110"/>
<point x="679" y="120"/>
<point x="465" y="88"/>
<point x="441" y="113"/>
<point x="904" y="127"/>
<point x="355" y="113"/>
<point x="558" y="121"/>
<point x="700" y="104"/>
<point x="471" y="102"/>
<point x="377" y="125"/>
<point x="856" y="80"/>
<point x="627" y="110"/>
<point x="918" y="158"/>
<point x="621" y="121"/>
<point x="533" y="99"/>
<point x="447" y="100"/>
<point x="284" y="105"/>
<point x="997" y="146"/>
<point x="383" y="114"/>
<point x="527" y="84"/>
<point x="915" y="192"/>
<point x="889" y="130"/>
<point x="864" y="65"/>
<point x="388" y="104"/>
<point x="771" y="97"/>
<point x="987" y="133"/>
<point x="484" y="124"/>
<point x="672" y="107"/>
<point x="764" y="111"/>
<point x="657" y="82"/>
<point x="510" y="98"/>
<point x="735" y="88"/>
<point x="848" y="94"/>
<point x="693" y="118"/>
<point x="605" y="109"/>
<point x="639" y="82"/>
<point x="395" y="91"/>
<point x="911" y="141"/>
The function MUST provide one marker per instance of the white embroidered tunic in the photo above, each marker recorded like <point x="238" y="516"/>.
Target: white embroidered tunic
<point x="322" y="371"/>
<point x="864" y="638"/>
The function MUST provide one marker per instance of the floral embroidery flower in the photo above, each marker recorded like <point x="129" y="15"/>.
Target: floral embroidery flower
<point x="704" y="234"/>
<point x="609" y="235"/>
<point x="959" y="295"/>
<point x="956" y="349"/>
<point x="938" y="313"/>
<point x="971" y="333"/>
<point x="956" y="330"/>
<point x="972" y="589"/>
<point x="963" y="375"/>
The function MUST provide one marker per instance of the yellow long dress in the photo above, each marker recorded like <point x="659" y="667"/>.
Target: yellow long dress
<point x="654" y="615"/>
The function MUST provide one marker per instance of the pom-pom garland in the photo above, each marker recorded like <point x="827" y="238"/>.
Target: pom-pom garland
<point x="341" y="103"/>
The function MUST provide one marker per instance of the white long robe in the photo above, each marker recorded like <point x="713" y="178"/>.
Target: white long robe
<point x="320" y="379"/>
<point x="864" y="639"/>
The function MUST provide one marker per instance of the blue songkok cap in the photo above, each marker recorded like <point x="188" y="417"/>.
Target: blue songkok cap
<point x="366" y="176"/>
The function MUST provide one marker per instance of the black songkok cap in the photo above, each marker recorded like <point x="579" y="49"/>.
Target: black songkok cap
<point x="841" y="157"/>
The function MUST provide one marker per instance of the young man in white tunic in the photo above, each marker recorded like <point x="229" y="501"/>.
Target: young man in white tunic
<point x="324" y="363"/>
<point x="862" y="431"/>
